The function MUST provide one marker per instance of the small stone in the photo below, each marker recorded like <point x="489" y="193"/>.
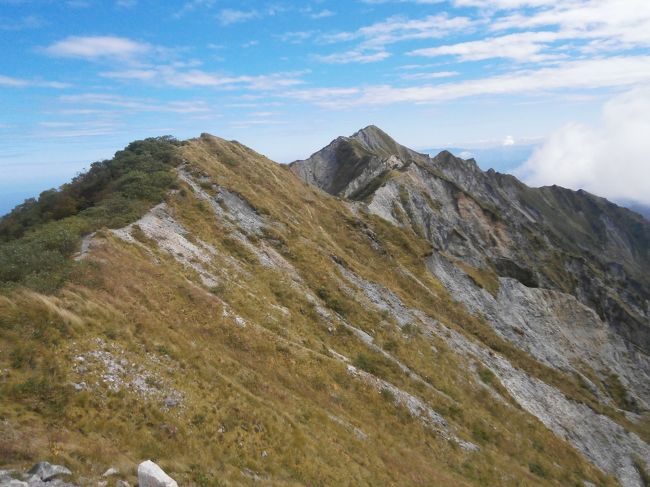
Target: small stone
<point x="102" y="483"/>
<point x="46" y="471"/>
<point x="170" y="402"/>
<point x="151" y="475"/>
<point x="111" y="472"/>
<point x="122" y="483"/>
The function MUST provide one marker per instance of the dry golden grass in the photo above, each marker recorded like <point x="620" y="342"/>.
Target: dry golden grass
<point x="267" y="398"/>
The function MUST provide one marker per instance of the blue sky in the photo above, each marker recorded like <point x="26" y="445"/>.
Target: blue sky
<point x="81" y="78"/>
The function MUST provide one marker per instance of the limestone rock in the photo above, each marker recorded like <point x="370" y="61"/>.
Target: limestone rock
<point x="9" y="482"/>
<point x="151" y="475"/>
<point x="111" y="472"/>
<point x="6" y="480"/>
<point x="46" y="471"/>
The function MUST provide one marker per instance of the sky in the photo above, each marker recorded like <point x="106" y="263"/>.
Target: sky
<point x="566" y="81"/>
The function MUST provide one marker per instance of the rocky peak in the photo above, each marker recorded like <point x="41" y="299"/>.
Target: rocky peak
<point x="378" y="142"/>
<point x="347" y="165"/>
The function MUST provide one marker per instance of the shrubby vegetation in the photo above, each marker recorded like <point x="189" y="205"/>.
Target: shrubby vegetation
<point x="38" y="237"/>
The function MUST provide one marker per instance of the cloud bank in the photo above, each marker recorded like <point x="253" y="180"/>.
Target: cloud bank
<point x="610" y="158"/>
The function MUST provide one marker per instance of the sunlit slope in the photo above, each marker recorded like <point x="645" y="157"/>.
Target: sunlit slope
<point x="251" y="328"/>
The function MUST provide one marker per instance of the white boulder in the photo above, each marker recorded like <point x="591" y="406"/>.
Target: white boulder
<point x="151" y="475"/>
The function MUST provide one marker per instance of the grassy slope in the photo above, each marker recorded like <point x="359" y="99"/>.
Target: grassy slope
<point x="260" y="398"/>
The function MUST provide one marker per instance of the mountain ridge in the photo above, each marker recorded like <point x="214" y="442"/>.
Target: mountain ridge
<point x="284" y="336"/>
<point x="468" y="177"/>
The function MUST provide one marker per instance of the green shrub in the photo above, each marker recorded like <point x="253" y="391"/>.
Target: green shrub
<point x="388" y="395"/>
<point x="537" y="469"/>
<point x="390" y="346"/>
<point x="38" y="237"/>
<point x="486" y="375"/>
<point x="331" y="301"/>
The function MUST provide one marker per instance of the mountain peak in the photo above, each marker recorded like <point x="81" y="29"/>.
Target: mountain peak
<point x="347" y="164"/>
<point x="370" y="133"/>
<point x="375" y="140"/>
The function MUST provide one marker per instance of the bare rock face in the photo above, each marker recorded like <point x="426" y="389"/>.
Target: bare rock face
<point x="349" y="165"/>
<point x="46" y="471"/>
<point x="563" y="275"/>
<point x="43" y="474"/>
<point x="151" y="475"/>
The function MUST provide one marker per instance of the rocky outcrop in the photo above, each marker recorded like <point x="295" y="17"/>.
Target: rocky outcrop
<point x="151" y="475"/>
<point x="46" y="471"/>
<point x="43" y="474"/>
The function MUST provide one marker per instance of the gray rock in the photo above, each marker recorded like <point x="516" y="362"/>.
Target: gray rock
<point x="170" y="402"/>
<point x="10" y="482"/>
<point x="46" y="471"/>
<point x="6" y="480"/>
<point x="122" y="483"/>
<point x="151" y="475"/>
<point x="111" y="472"/>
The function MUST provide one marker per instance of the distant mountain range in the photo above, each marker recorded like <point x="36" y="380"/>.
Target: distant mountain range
<point x="502" y="158"/>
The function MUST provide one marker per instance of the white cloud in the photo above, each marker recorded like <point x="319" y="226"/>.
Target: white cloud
<point x="399" y="29"/>
<point x="97" y="47"/>
<point x="321" y="14"/>
<point x="131" y="74"/>
<point x="615" y="24"/>
<point x="504" y="4"/>
<point x="523" y="46"/>
<point x="295" y="37"/>
<point x="609" y="159"/>
<point x="11" y="82"/>
<point x="92" y="128"/>
<point x="508" y="140"/>
<point x="354" y="56"/>
<point x="570" y="29"/>
<point x="421" y="2"/>
<point x="622" y="71"/>
<point x="136" y="104"/>
<point x="29" y="22"/>
<point x="322" y="95"/>
<point x="372" y="39"/>
<point x="194" y="5"/>
<point x="171" y="76"/>
<point x="425" y="76"/>
<point x="229" y="16"/>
